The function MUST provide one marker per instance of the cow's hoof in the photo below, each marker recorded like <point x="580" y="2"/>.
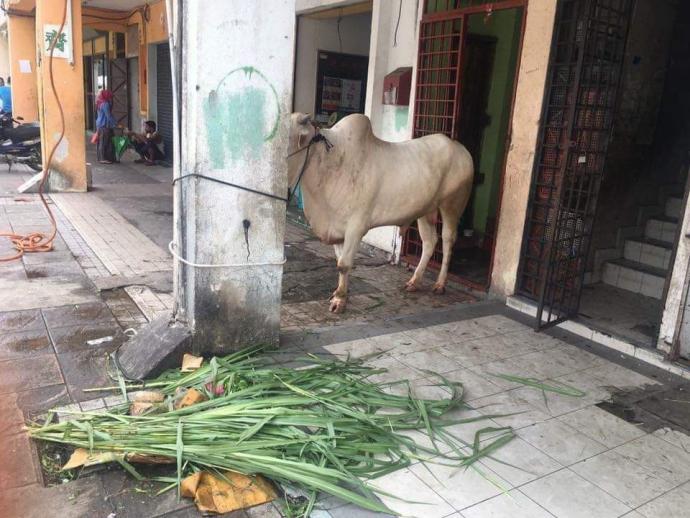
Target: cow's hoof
<point x="411" y="287"/>
<point x="338" y="305"/>
<point x="439" y="289"/>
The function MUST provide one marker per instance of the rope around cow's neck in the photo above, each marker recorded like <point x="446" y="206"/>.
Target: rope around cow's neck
<point x="318" y="137"/>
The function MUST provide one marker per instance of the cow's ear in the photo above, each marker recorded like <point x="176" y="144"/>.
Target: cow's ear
<point x="304" y="120"/>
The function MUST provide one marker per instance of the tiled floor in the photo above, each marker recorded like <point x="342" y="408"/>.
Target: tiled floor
<point x="570" y="457"/>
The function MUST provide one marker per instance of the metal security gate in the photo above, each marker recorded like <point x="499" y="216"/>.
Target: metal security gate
<point x="577" y="119"/>
<point x="164" y="102"/>
<point x="118" y="85"/>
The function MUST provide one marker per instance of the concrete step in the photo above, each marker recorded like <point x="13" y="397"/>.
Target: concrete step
<point x="661" y="229"/>
<point x="673" y="207"/>
<point x="635" y="277"/>
<point x="648" y="252"/>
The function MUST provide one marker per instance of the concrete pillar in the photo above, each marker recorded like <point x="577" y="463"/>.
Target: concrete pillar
<point x="22" y="40"/>
<point x="69" y="171"/>
<point x="235" y="98"/>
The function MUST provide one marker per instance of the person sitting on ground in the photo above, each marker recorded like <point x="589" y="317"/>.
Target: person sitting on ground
<point x="146" y="144"/>
<point x="105" y="123"/>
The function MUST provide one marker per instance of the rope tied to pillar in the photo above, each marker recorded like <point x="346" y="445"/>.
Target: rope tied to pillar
<point x="172" y="246"/>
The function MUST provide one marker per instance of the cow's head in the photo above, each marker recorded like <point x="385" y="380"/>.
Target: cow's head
<point x="301" y="132"/>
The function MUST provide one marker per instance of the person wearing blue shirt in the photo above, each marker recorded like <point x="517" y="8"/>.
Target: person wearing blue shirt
<point x="5" y="97"/>
<point x="104" y="127"/>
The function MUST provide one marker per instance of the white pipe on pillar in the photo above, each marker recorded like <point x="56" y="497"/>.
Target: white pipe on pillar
<point x="236" y="89"/>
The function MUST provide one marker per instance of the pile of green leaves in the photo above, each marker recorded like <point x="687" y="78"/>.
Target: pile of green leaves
<point x="327" y="427"/>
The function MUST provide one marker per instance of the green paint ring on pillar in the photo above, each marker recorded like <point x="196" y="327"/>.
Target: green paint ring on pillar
<point x="237" y="123"/>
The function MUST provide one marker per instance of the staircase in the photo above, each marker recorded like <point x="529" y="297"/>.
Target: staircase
<point x="647" y="251"/>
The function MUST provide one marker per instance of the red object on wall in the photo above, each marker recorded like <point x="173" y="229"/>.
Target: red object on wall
<point x="397" y="85"/>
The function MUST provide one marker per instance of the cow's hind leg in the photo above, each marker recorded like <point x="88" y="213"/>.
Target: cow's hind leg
<point x="451" y="210"/>
<point x="427" y="231"/>
<point x="346" y="260"/>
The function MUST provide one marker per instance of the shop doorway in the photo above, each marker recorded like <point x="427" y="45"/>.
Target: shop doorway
<point x="331" y="67"/>
<point x="610" y="173"/>
<point x="466" y="73"/>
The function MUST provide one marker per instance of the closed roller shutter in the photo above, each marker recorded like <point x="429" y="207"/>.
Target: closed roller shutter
<point x="164" y="103"/>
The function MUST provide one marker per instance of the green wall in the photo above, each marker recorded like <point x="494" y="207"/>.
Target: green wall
<point x="505" y="26"/>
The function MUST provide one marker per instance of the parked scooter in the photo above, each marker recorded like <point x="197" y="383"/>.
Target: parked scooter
<point x="20" y="144"/>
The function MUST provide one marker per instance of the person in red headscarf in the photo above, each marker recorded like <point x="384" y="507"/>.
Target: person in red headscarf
<point x="104" y="127"/>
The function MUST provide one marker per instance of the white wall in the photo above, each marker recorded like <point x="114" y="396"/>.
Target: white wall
<point x="314" y="35"/>
<point x="391" y="123"/>
<point x="4" y="50"/>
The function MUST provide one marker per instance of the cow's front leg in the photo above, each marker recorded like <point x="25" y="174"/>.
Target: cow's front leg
<point x="338" y="249"/>
<point x="346" y="259"/>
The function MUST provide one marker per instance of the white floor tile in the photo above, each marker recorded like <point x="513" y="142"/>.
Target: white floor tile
<point x="470" y="353"/>
<point x="553" y="403"/>
<point x="500" y="324"/>
<point x="617" y="376"/>
<point x="602" y="426"/>
<point x="475" y="421"/>
<point x="474" y="385"/>
<point x="561" y="442"/>
<point x="396" y="370"/>
<point x="430" y="360"/>
<point x="630" y="483"/>
<point x="534" y="340"/>
<point x="494" y="369"/>
<point x="354" y="349"/>
<point x="658" y="456"/>
<point x="675" y="503"/>
<point x="396" y="343"/>
<point x="674" y="437"/>
<point x="519" y="462"/>
<point x="567" y="495"/>
<point x="460" y="487"/>
<point x="509" y="409"/>
<point x="407" y="485"/>
<point x="513" y="504"/>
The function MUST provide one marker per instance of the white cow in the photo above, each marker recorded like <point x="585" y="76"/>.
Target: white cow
<point x="362" y="182"/>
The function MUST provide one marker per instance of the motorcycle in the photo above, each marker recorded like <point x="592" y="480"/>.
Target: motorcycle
<point x="20" y="144"/>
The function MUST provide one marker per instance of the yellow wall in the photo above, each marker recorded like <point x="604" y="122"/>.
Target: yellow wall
<point x="157" y="26"/>
<point x="68" y="170"/>
<point x="22" y="36"/>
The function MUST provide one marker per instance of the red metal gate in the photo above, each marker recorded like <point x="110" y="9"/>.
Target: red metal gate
<point x="438" y="94"/>
<point x="577" y="119"/>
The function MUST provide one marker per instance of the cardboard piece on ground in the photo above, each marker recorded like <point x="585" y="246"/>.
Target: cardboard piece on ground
<point x="216" y="495"/>
<point x="82" y="457"/>
<point x="145" y="458"/>
<point x="190" y="362"/>
<point x="147" y="396"/>
<point x="191" y="397"/>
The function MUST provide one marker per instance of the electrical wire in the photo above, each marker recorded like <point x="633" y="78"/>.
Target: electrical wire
<point x="397" y="24"/>
<point x="340" y="39"/>
<point x="38" y="241"/>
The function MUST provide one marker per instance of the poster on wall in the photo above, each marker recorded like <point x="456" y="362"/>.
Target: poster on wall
<point x="341" y="95"/>
<point x="63" y="45"/>
<point x="340" y="85"/>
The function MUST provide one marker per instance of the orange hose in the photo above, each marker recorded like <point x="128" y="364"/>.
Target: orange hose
<point x="38" y="241"/>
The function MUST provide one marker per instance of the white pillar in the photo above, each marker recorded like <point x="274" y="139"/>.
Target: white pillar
<point x="236" y="88"/>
